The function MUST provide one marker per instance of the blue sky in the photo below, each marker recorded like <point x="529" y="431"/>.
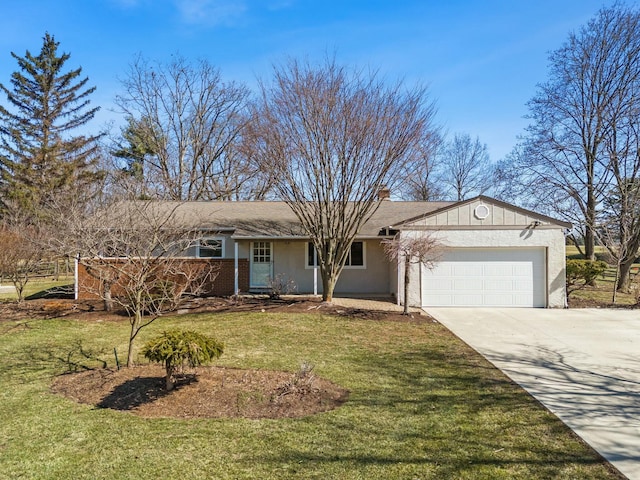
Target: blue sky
<point x="481" y="59"/>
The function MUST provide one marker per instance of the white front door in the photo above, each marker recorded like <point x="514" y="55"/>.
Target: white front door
<point x="261" y="264"/>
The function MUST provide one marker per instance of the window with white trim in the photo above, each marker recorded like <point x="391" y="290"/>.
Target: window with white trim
<point x="210" y="248"/>
<point x="355" y="258"/>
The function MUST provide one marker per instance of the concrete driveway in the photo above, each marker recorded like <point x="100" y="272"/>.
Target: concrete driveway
<point x="583" y="365"/>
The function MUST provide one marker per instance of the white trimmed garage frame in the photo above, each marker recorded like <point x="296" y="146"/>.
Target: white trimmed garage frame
<point x="487" y="277"/>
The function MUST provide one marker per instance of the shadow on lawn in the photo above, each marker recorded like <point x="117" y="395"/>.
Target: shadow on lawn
<point x="141" y="390"/>
<point x="60" y="292"/>
<point x="448" y="414"/>
<point x="50" y="358"/>
<point x="134" y="392"/>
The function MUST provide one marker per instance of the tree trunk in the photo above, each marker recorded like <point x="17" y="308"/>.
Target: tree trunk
<point x="407" y="267"/>
<point x="578" y="247"/>
<point x="132" y="335"/>
<point x="130" y="351"/>
<point x="169" y="384"/>
<point x="624" y="279"/>
<point x="106" y="297"/>
<point x="615" y="283"/>
<point x="589" y="244"/>
<point x="328" y="285"/>
<point x="20" y="285"/>
<point x="590" y="217"/>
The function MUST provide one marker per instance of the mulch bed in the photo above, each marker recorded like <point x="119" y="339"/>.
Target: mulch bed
<point x="93" y="310"/>
<point x="214" y="392"/>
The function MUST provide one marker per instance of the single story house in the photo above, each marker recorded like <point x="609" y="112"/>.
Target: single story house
<point x="495" y="254"/>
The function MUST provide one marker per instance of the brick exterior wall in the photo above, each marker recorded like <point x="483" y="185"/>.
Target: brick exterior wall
<point x="88" y="285"/>
<point x="224" y="282"/>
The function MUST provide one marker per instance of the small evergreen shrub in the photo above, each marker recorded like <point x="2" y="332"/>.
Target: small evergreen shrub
<point x="175" y="348"/>
<point x="581" y="273"/>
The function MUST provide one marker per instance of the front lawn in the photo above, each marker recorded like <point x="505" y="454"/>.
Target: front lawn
<point x="601" y="294"/>
<point x="422" y="405"/>
<point x="41" y="287"/>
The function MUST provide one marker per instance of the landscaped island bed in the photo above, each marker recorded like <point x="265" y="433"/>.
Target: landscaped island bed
<point x="420" y="403"/>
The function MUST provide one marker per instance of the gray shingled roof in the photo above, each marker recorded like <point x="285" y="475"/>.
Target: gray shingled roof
<point x="276" y="219"/>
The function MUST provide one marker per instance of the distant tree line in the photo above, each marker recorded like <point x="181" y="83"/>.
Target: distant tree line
<point x="185" y="136"/>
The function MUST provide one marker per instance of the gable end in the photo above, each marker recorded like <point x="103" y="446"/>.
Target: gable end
<point x="481" y="212"/>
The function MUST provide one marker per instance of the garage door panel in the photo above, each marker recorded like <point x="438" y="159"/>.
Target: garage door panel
<point x="435" y="285"/>
<point x="445" y="299"/>
<point x="522" y="284"/>
<point x="445" y="270"/>
<point x="498" y="285"/>
<point x="487" y="277"/>
<point x="524" y="299"/>
<point x="469" y="284"/>
<point x="497" y="269"/>
<point x="497" y="300"/>
<point x="468" y="269"/>
<point x="467" y="300"/>
<point x="521" y="270"/>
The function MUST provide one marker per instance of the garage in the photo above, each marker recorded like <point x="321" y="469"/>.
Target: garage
<point x="489" y="277"/>
<point x="494" y="254"/>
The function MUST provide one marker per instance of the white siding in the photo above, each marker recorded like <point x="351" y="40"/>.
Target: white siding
<point x="464" y="215"/>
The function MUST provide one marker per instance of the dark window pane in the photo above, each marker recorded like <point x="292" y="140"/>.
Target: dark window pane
<point x="310" y="251"/>
<point x="210" y="248"/>
<point x="357" y="254"/>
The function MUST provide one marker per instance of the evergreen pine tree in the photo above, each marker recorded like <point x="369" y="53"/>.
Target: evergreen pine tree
<point x="40" y="161"/>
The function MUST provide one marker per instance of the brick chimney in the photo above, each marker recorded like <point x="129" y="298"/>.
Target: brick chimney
<point x="384" y="194"/>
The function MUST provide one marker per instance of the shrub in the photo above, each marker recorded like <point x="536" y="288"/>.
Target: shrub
<point x="281" y="285"/>
<point x="583" y="272"/>
<point x="300" y="383"/>
<point x="176" y="348"/>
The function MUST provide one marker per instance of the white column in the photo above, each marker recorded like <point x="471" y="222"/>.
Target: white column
<point x="315" y="271"/>
<point x="75" y="283"/>
<point x="400" y="279"/>
<point x="235" y="271"/>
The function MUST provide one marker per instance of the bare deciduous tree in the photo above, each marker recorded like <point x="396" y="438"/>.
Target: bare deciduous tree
<point x="466" y="167"/>
<point x="183" y="133"/>
<point x="564" y="163"/>
<point x="21" y="254"/>
<point x="423" y="250"/>
<point x="618" y="228"/>
<point x="424" y="181"/>
<point x="333" y="139"/>
<point x="136" y="253"/>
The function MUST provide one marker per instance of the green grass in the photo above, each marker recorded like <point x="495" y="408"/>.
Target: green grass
<point x="422" y="405"/>
<point x="602" y="293"/>
<point x="40" y="287"/>
<point x="573" y="252"/>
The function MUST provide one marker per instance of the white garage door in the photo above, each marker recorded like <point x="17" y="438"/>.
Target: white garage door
<point x="490" y="277"/>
